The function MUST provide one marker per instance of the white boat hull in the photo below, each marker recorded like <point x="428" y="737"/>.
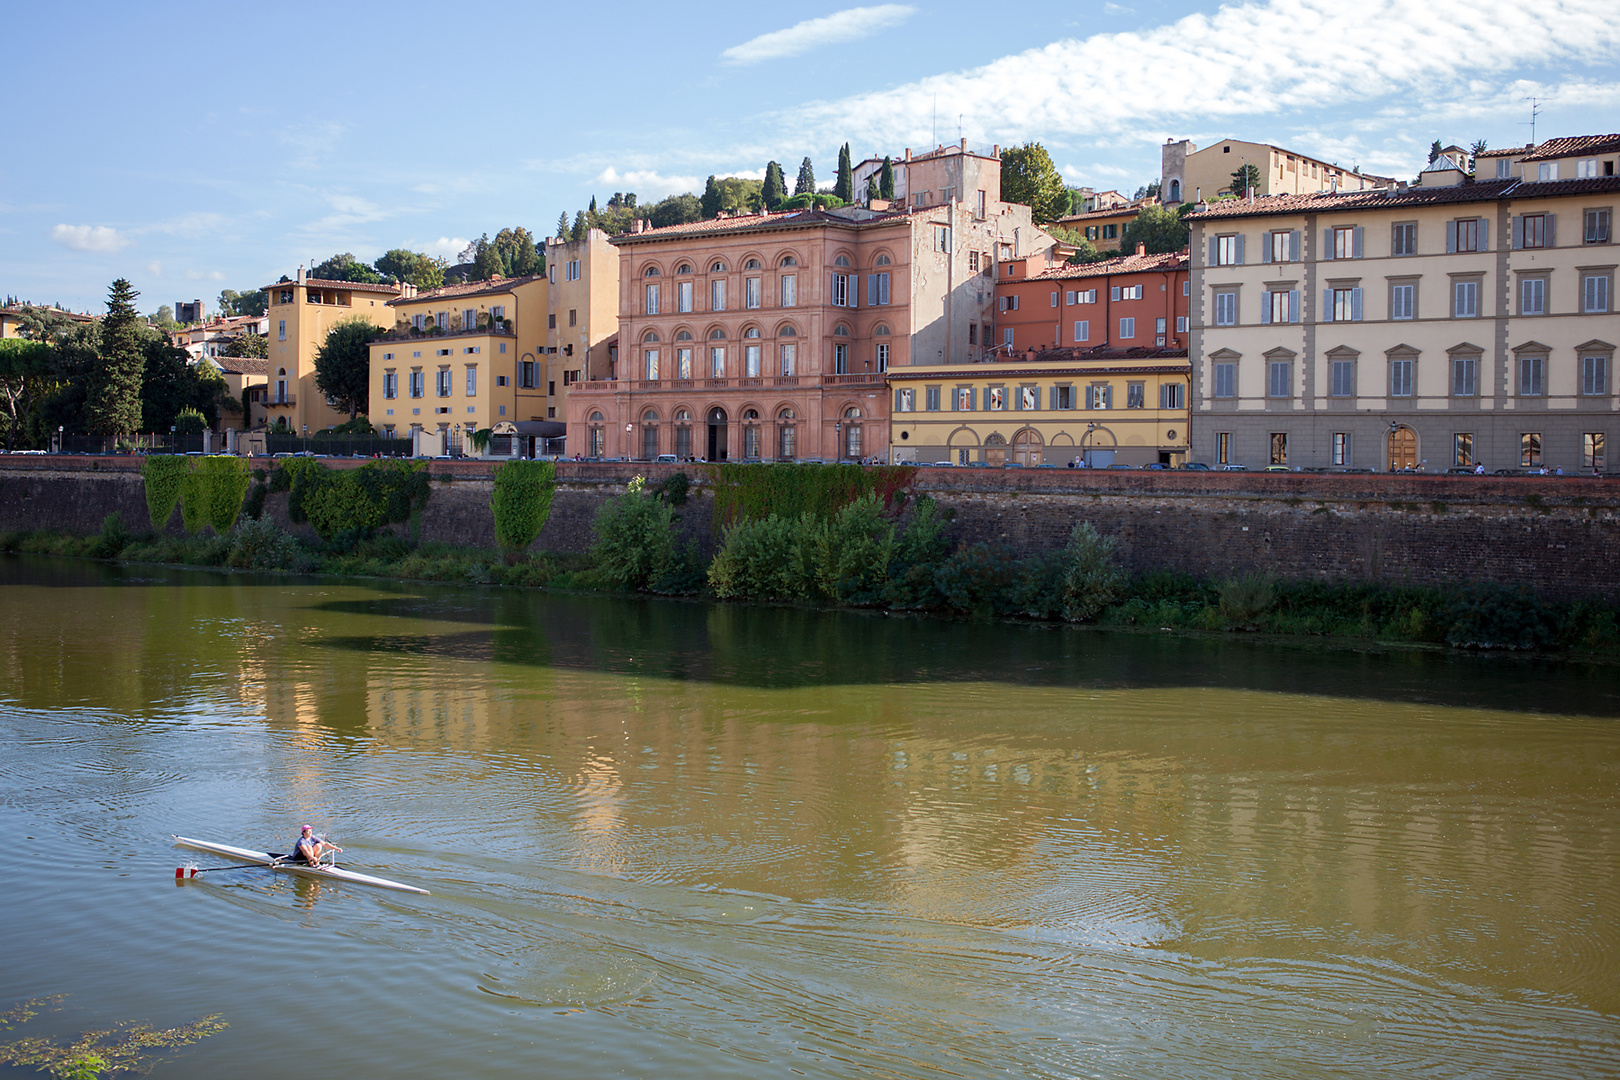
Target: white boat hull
<point x="265" y="858"/>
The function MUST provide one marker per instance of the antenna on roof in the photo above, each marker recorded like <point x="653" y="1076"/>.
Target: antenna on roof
<point x="1535" y="111"/>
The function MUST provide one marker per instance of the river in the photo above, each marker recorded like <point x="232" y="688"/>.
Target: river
<point x="679" y="840"/>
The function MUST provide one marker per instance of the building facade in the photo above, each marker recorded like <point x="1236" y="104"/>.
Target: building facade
<point x="1188" y="173"/>
<point x="1097" y="407"/>
<point x="1457" y="324"/>
<point x="1135" y="301"/>
<point x="301" y="313"/>
<point x="582" y="319"/>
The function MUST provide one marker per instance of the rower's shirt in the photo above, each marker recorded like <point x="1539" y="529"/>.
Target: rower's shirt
<point x="305" y="849"/>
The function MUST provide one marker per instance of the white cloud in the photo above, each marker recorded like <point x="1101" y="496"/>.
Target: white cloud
<point x="347" y="210"/>
<point x="849" y="25"/>
<point x="648" y="184"/>
<point x="446" y="247"/>
<point x="1202" y="68"/>
<point x="154" y="268"/>
<point x="90" y="238"/>
<point x="198" y="275"/>
<point x="1118" y="9"/>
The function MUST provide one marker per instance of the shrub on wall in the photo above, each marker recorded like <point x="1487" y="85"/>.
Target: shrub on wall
<point x="522" y="502"/>
<point x="163" y="474"/>
<point x="1091" y="579"/>
<point x="353" y="501"/>
<point x="766" y="559"/>
<point x="223" y="482"/>
<point x="754" y="492"/>
<point x="635" y="540"/>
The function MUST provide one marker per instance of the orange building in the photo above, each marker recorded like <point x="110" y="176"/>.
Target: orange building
<point x="1134" y="301"/>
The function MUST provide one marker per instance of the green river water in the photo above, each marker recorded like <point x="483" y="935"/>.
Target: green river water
<point x="677" y="840"/>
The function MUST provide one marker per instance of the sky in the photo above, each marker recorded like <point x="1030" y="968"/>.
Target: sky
<point x="193" y="147"/>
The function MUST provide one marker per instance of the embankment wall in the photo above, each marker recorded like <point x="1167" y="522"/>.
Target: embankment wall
<point x="1557" y="535"/>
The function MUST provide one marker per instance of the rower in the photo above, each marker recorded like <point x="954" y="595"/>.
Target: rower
<point x="309" y="849"/>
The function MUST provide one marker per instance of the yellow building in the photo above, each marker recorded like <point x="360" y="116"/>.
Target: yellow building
<point x="452" y="361"/>
<point x="582" y="323"/>
<point x="1102" y="406"/>
<point x="301" y="314"/>
<point x="1188" y="173"/>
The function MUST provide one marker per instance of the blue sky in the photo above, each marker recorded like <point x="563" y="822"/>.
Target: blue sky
<point x="192" y="147"/>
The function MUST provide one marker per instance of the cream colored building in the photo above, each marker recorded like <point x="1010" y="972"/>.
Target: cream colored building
<point x="1449" y="325"/>
<point x="581" y="324"/>
<point x="1189" y="173"/>
<point x="301" y="313"/>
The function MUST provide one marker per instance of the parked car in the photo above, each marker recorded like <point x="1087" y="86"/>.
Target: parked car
<point x="1116" y="466"/>
<point x="1278" y="468"/>
<point x="666" y="459"/>
<point x="1155" y="465"/>
<point x="1234" y="468"/>
<point x="1194" y="466"/>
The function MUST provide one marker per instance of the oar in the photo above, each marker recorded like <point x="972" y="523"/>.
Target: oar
<point x="180" y="871"/>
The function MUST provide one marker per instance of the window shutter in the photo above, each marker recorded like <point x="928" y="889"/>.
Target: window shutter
<point x="1451" y="237"/>
<point x="897" y="394"/>
<point x="1293" y="305"/>
<point x="872" y="290"/>
<point x="1327" y="306"/>
<point x="1001" y="303"/>
<point x="1265" y="244"/>
<point x="1018" y="399"/>
<point x="1293" y="246"/>
<point x="973" y="399"/>
<point x="1550" y="227"/>
<point x="1327" y="244"/>
<point x="1265" y="309"/>
<point x="1052" y="397"/>
<point x="1518" y="231"/>
<point x="1240" y="249"/>
<point x="1214" y="250"/>
<point x="1113" y="293"/>
<point x="1357" y="242"/>
<point x="1355" y="305"/>
<point x="1484" y="234"/>
<point x="1108" y="397"/>
<point x="854" y="290"/>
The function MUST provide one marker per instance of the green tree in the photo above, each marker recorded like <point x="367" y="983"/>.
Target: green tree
<point x="486" y="259"/>
<point x="163" y="317"/>
<point x="44" y="324"/>
<point x="578" y="231"/>
<point x="27" y="374"/>
<point x="1029" y="177"/>
<point x="249" y="346"/>
<point x="562" y="225"/>
<point x="1244" y="178"/>
<point x="711" y="199"/>
<point x="1159" y="228"/>
<point x="1474" y="151"/>
<point x="343" y="364"/>
<point x="253" y="303"/>
<point x="170" y="385"/>
<point x="1085" y="250"/>
<point x="886" y="179"/>
<point x="675" y="210"/>
<point x="345" y="267"/>
<point x="519" y="256"/>
<point x="774" y="189"/>
<point x="113" y="393"/>
<point x="844" y="186"/>
<point x="806" y="183"/>
<point x="423" y="271"/>
<point x="1434" y="151"/>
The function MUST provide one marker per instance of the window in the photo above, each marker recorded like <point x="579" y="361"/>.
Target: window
<point x="905" y="400"/>
<point x="1279" y="378"/>
<point x="1343" y="305"/>
<point x="651" y="306"/>
<point x="1343" y="374"/>
<point x="1462" y="449"/>
<point x="1597" y="226"/>
<point x="1585" y="169"/>
<point x="651" y="358"/>
<point x="1158" y="328"/>
<point x="1127" y="328"/>
<point x="390" y="385"/>
<point x="1054" y="299"/>
<point x="1532" y="375"/>
<point x="551" y="320"/>
<point x="1533" y="296"/>
<point x="1181" y="324"/>
<point x="1280" y="306"/>
<point x="1533" y="230"/>
<point x="1225" y="380"/>
<point x="931" y="398"/>
<point x="1125" y="292"/>
<point x="1029" y="397"/>
<point x="1400" y="377"/>
<point x="1504" y="169"/>
<point x="1228" y="250"/>
<point x="1172" y="396"/>
<point x="1465" y="300"/>
<point x="877" y="289"/>
<point x="573" y="316"/>
<point x="1007" y="337"/>
<point x="571" y="270"/>
<point x="1279" y="448"/>
<point x="1464" y="375"/>
<point x="472" y="382"/>
<point x="442" y="383"/>
<point x="1595" y="292"/>
<point x="1403" y="301"/>
<point x="1592" y="451"/>
<point x="788" y="260"/>
<point x="1100" y="396"/>
<point x="964" y="399"/>
<point x="942" y="238"/>
<point x="1547" y="172"/>
<point x="717" y="295"/>
<point x="281" y="333"/>
<point x="1223" y="448"/>
<point x="1226" y="309"/>
<point x="683" y="363"/>
<point x="683" y="296"/>
<point x="417" y="384"/>
<point x="973" y="262"/>
<point x="1344" y="242"/>
<point x="995" y="398"/>
<point x="1062" y="397"/>
<point x="751" y="292"/>
<point x="751" y="361"/>
<point x="790" y="289"/>
<point x="1403" y="238"/>
<point x="1110" y="232"/>
<point x="1135" y="395"/>
<point x="1530" y="449"/>
<point x="1465" y="235"/>
<point x="525" y="375"/>
<point x="973" y="333"/>
<point x="1282" y="246"/>
<point x="1008" y="303"/>
<point x="1341" y="448"/>
<point x="883" y="356"/>
<point x="717" y="268"/>
<point x="1594" y="375"/>
<point x="717" y="363"/>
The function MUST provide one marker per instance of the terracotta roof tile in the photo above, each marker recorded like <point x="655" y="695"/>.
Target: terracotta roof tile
<point x="1125" y="264"/>
<point x="719" y="226"/>
<point x="1571" y="145"/>
<point x="323" y="283"/>
<point x="1267" y="205"/>
<point x="242" y="365"/>
<point x="467" y="289"/>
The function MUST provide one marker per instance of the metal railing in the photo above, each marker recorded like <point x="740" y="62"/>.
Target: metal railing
<point x="337" y="445"/>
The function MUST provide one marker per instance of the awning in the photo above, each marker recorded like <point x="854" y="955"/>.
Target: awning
<point x="540" y="429"/>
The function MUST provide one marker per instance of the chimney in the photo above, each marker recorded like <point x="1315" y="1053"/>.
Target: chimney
<point x="300" y="275"/>
<point x="964" y="144"/>
<point x="908" y="153"/>
<point x="1141" y="249"/>
<point x="1251" y="195"/>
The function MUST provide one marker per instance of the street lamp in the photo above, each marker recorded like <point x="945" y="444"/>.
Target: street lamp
<point x="838" y="439"/>
<point x="1085" y="440"/>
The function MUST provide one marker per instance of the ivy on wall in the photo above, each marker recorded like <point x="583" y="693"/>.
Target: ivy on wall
<point x="522" y="502"/>
<point x="209" y="490"/>
<point x="351" y="500"/>
<point x="224" y="481"/>
<point x="754" y="492"/>
<point x="164" y="474"/>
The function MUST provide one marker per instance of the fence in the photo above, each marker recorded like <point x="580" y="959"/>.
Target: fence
<point x="71" y="443"/>
<point x="338" y="445"/>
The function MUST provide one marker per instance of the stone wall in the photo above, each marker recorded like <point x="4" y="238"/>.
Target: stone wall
<point x="1559" y="536"/>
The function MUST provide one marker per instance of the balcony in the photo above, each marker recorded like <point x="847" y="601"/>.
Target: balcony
<point x="279" y="401"/>
<point x="403" y="331"/>
<point x="865" y="378"/>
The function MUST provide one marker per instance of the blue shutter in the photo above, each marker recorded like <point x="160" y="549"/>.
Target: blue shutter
<point x="1451" y="237"/>
<point x="1265" y="309"/>
<point x="1293" y="246"/>
<point x="1484" y="234"/>
<point x="1551" y="229"/>
<point x="1240" y="249"/>
<point x="897" y="394"/>
<point x="1293" y="305"/>
<point x="1355" y="304"/>
<point x="872" y="290"/>
<point x="1327" y="244"/>
<point x="1518" y="231"/>
<point x="1113" y="293"/>
<point x="1052" y="397"/>
<point x="1356" y="249"/>
<point x="1327" y="306"/>
<point x="1214" y="250"/>
<point x="973" y="399"/>
<point x="854" y="290"/>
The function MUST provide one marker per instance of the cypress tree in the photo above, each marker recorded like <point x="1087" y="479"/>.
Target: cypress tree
<point x="579" y="227"/>
<point x="711" y="199"/>
<point x="113" y="399"/>
<point x="886" y="179"/>
<point x="562" y="225"/>
<point x="806" y="183"/>
<point x="774" y="190"/>
<point x="844" y="186"/>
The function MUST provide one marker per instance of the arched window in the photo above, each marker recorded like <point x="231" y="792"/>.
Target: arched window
<point x="882" y="260"/>
<point x="718" y="268"/>
<point x="842" y="260"/>
<point x="651" y="271"/>
<point x="649" y="434"/>
<point x="751" y="332"/>
<point x="683" y="415"/>
<point x="1175" y="191"/>
<point x="840" y="330"/>
<point x="683" y="433"/>
<point x="650" y="416"/>
<point x="788" y="260"/>
<point x="717" y="334"/>
<point x="750" y="419"/>
<point x="786" y="435"/>
<point x="751" y="264"/>
<point x="684" y="268"/>
<point x="751" y="414"/>
<point x="683" y="335"/>
<point x="596" y="416"/>
<point x="852" y="413"/>
<point x="880" y="330"/>
<point x="649" y="336"/>
<point x="787" y="331"/>
<point x="785" y="414"/>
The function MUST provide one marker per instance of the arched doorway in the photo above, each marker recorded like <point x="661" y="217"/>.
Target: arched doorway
<point x="1026" y="447"/>
<point x="1175" y="191"/>
<point x="1403" y="448"/>
<point x="995" y="449"/>
<point x="717" y="434"/>
<point x="852" y="434"/>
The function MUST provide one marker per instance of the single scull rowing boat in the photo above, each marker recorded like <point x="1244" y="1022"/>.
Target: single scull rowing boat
<point x="284" y="862"/>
